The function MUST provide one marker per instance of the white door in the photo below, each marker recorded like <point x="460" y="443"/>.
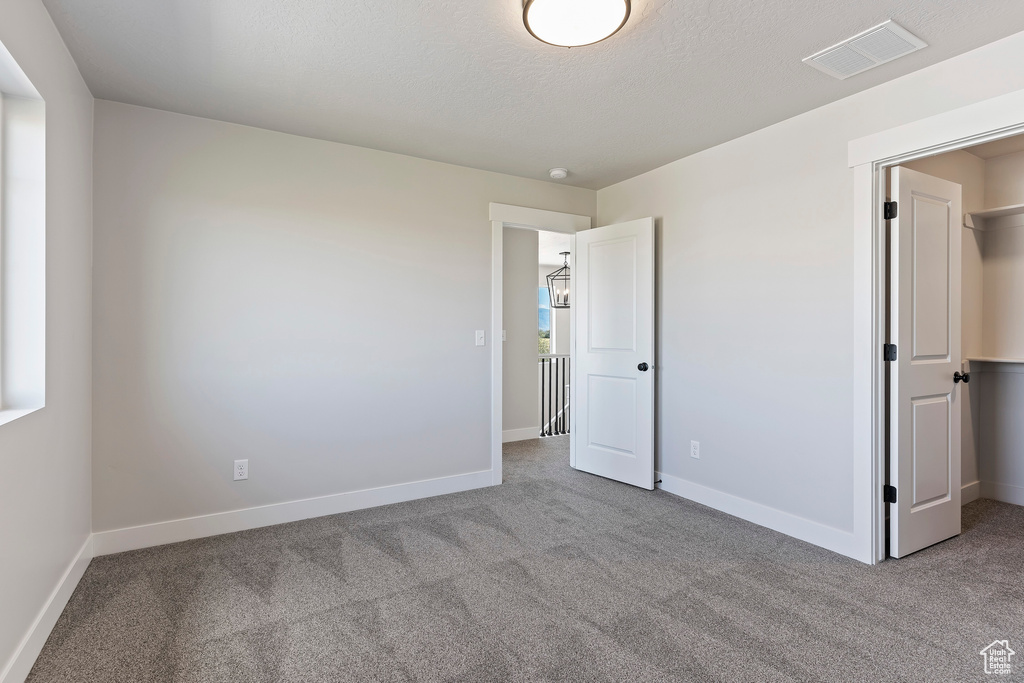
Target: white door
<point x="613" y="381"/>
<point x="925" y="400"/>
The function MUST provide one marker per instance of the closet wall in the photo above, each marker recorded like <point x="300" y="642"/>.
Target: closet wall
<point x="1001" y="461"/>
<point x="993" y="325"/>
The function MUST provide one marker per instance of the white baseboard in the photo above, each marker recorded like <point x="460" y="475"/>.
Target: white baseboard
<point x="24" y="657"/>
<point x="1006" y="493"/>
<point x="830" y="538"/>
<point x="174" y="531"/>
<point x="970" y="492"/>
<point x="520" y="434"/>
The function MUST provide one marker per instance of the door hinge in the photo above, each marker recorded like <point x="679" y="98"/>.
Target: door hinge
<point x="888" y="352"/>
<point x="890" y="209"/>
<point x="889" y="494"/>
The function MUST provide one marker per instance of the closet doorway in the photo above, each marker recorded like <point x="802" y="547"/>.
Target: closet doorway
<point x="954" y="318"/>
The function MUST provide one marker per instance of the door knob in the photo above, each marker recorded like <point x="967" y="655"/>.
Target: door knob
<point x="957" y="377"/>
<point x="643" y="367"/>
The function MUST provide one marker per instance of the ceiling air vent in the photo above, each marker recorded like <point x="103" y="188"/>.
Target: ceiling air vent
<point x="877" y="45"/>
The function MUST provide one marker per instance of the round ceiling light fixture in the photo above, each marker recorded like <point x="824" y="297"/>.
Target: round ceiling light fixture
<point x="574" y="23"/>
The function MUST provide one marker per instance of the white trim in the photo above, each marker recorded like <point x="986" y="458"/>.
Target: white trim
<point x="572" y="339"/>
<point x="523" y="434"/>
<point x="538" y="219"/>
<point x="497" y="347"/>
<point x="174" y="531"/>
<point x="991" y="119"/>
<point x="868" y="376"/>
<point x="507" y="216"/>
<point x="1006" y="493"/>
<point x="830" y="538"/>
<point x="31" y="645"/>
<point x="970" y="493"/>
<point x="870" y="156"/>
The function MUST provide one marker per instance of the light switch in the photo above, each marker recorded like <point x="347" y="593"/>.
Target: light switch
<point x="479" y="337"/>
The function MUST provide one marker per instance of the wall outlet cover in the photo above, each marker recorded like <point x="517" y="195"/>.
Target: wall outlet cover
<point x="695" y="449"/>
<point x="241" y="470"/>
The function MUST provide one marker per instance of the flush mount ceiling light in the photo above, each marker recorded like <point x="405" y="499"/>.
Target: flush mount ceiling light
<point x="573" y="23"/>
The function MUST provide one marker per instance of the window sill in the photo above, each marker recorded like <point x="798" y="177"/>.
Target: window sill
<point x="12" y="414"/>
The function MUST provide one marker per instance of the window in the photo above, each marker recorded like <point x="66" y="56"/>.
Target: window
<point x="22" y="243"/>
<point x="543" y="321"/>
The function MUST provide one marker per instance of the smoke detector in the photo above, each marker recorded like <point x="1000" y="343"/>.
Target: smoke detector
<point x="874" y="47"/>
<point x="559" y="173"/>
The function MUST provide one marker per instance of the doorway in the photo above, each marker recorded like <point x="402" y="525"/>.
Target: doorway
<point x="522" y="219"/>
<point x="536" y="334"/>
<point x="611" y="290"/>
<point x="954" y="436"/>
<point x="869" y="157"/>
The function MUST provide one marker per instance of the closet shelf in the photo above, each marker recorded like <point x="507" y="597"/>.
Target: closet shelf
<point x="995" y="219"/>
<point x="996" y="360"/>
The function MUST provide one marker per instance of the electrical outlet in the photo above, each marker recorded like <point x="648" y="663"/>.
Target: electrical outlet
<point x="241" y="470"/>
<point x="504" y="335"/>
<point x="695" y="449"/>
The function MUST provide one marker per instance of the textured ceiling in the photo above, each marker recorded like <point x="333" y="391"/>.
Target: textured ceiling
<point x="462" y="81"/>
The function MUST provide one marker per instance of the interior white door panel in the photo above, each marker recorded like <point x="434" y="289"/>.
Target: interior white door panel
<point x="925" y="400"/>
<point x="613" y="279"/>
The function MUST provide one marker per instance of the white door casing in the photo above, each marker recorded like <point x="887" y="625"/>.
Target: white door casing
<point x="613" y="281"/>
<point x="925" y="402"/>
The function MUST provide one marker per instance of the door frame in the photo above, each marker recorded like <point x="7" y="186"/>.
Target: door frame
<point x="869" y="158"/>
<point x="507" y="216"/>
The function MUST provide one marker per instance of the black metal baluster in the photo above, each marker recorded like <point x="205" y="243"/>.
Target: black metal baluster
<point x="542" y="396"/>
<point x="565" y="397"/>
<point x="561" y="401"/>
<point x="568" y="379"/>
<point x="551" y="395"/>
<point x="554" y="401"/>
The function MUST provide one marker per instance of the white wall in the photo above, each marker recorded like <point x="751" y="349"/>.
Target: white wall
<point x="45" y="490"/>
<point x="1001" y="386"/>
<point x="520" y="391"/>
<point x="307" y="305"/>
<point x="755" y="297"/>
<point x="1001" y="465"/>
<point x="969" y="172"/>
<point x="1004" y="262"/>
<point x="1004" y="180"/>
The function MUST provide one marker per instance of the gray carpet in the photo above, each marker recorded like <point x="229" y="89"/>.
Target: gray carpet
<point x="556" y="575"/>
